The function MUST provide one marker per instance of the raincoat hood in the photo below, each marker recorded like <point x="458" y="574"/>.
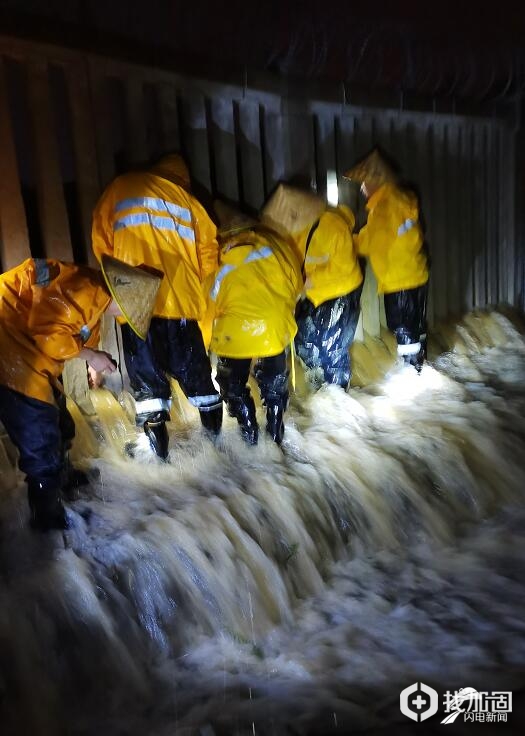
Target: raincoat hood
<point x="173" y="167"/>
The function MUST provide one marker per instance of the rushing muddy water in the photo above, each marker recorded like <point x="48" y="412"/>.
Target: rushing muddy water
<point x="253" y="590"/>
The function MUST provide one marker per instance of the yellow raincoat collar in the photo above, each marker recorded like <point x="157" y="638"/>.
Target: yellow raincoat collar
<point x="376" y="197"/>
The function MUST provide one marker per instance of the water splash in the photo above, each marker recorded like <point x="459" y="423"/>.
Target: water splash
<point x="241" y="589"/>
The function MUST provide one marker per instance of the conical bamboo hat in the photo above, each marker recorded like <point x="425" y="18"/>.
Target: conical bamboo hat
<point x="135" y="291"/>
<point x="290" y="210"/>
<point x="373" y="168"/>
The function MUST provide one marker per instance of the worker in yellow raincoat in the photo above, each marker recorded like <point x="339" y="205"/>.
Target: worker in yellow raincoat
<point x="49" y="312"/>
<point x="393" y="241"/>
<point x="151" y="218"/>
<point x="254" y="296"/>
<point x="328" y="312"/>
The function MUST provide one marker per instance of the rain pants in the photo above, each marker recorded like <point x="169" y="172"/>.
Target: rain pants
<point x="48" y="311"/>
<point x="173" y="347"/>
<point x="254" y="296"/>
<point x="327" y="317"/>
<point x="150" y="218"/>
<point x="393" y="241"/>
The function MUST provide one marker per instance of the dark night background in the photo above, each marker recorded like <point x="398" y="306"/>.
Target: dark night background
<point x="463" y="49"/>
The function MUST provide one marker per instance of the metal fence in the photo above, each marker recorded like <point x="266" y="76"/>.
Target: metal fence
<point x="69" y="122"/>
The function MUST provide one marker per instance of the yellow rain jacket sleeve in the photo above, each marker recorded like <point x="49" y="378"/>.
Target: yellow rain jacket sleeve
<point x="331" y="266"/>
<point x="393" y="241"/>
<point x="147" y="219"/>
<point x="254" y="296"/>
<point x="49" y="311"/>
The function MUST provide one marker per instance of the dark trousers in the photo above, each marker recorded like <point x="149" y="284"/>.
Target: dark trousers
<point x="271" y="375"/>
<point x="406" y="317"/>
<point x="173" y="347"/>
<point x="41" y="432"/>
<point x="325" y="334"/>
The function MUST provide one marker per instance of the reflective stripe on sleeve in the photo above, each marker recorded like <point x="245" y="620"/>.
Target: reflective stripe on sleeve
<point x="224" y="271"/>
<point x="256" y="255"/>
<point x="159" y="223"/>
<point x="152" y="203"/>
<point x="406" y="226"/>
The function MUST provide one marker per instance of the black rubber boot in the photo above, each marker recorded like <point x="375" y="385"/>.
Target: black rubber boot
<point x="212" y="420"/>
<point x="275" y="421"/>
<point x="157" y="434"/>
<point x="47" y="510"/>
<point x="243" y="409"/>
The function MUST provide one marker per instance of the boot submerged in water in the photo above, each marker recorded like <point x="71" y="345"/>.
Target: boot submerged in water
<point x="157" y="433"/>
<point x="47" y="509"/>
<point x="243" y="409"/>
<point x="275" y="422"/>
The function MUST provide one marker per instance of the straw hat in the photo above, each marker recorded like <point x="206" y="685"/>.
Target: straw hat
<point x="134" y="289"/>
<point x="232" y="219"/>
<point x="291" y="210"/>
<point x="373" y="169"/>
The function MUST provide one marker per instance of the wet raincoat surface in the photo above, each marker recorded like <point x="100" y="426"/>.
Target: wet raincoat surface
<point x="49" y="311"/>
<point x="393" y="241"/>
<point x="331" y="266"/>
<point x="254" y="295"/>
<point x="149" y="218"/>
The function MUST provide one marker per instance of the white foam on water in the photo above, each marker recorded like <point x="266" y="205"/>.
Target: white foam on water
<point x="242" y="590"/>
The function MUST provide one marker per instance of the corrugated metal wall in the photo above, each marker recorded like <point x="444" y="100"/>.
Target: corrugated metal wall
<point x="70" y="122"/>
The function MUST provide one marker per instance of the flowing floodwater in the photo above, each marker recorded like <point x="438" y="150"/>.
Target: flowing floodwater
<point x="245" y="590"/>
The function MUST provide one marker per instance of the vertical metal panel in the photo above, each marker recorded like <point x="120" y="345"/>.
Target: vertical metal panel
<point x="251" y="154"/>
<point x="14" y="240"/>
<point x="52" y="207"/>
<point x="224" y="149"/>
<point x="195" y="137"/>
<point x="239" y="147"/>
<point x="87" y="173"/>
<point x="453" y="233"/>
<point x="478" y="229"/>
<point x="274" y="150"/>
<point x="169" y="120"/>
<point x="438" y="233"/>
<point x="136" y="130"/>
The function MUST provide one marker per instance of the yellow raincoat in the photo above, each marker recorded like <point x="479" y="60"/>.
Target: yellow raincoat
<point x="49" y="311"/>
<point x="331" y="266"/>
<point x="150" y="218"/>
<point x="393" y="240"/>
<point x="254" y="295"/>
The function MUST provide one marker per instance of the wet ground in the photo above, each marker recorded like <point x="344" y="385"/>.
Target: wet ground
<point x="242" y="590"/>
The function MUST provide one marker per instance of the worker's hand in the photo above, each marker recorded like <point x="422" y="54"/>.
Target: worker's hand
<point x="99" y="360"/>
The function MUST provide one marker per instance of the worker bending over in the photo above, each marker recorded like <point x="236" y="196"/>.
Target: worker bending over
<point x="328" y="312"/>
<point x="151" y="218"/>
<point x="254" y="296"/>
<point x="49" y="312"/>
<point x="393" y="241"/>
